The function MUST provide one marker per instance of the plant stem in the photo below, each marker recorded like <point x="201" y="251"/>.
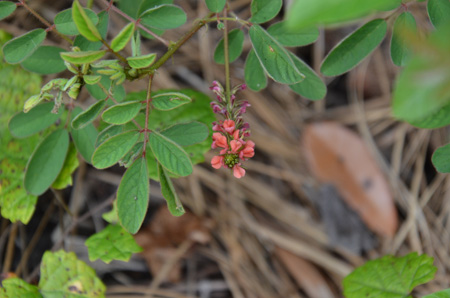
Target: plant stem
<point x="118" y="11"/>
<point x="227" y="61"/>
<point x="44" y="21"/>
<point x="9" y="256"/>
<point x="89" y="4"/>
<point x="120" y="57"/>
<point x="243" y="22"/>
<point x="147" y="112"/>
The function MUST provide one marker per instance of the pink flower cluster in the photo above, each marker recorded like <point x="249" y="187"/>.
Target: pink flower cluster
<point x="230" y="134"/>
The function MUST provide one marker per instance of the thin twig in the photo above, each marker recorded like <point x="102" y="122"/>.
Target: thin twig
<point x="10" y="248"/>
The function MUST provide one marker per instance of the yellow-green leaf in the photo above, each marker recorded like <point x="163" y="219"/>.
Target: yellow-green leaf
<point x="84" y="24"/>
<point x="124" y="36"/>
<point x="82" y="57"/>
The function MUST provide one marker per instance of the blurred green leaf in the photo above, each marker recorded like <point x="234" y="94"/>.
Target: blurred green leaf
<point x="16" y="287"/>
<point x="45" y="60"/>
<point x="439" y="12"/>
<point x="168" y="191"/>
<point x="186" y="134"/>
<point x="122" y="113"/>
<point x="83" y="23"/>
<point x="113" y="149"/>
<point x="400" y="51"/>
<point x="63" y="275"/>
<point x="118" y="91"/>
<point x="441" y="159"/>
<point x="295" y="38"/>
<point x="264" y="10"/>
<point x="6" y="9"/>
<point x="18" y="49"/>
<point x="133" y="196"/>
<point x="65" y="24"/>
<point x="86" y="117"/>
<point x="389" y="277"/>
<point x="166" y="16"/>
<point x="84" y="138"/>
<point x="82" y="57"/>
<point x="354" y="48"/>
<point x="215" y="5"/>
<point x="254" y="73"/>
<point x="46" y="162"/>
<point x="312" y="87"/>
<point x="64" y="178"/>
<point x="112" y="243"/>
<point x="440" y="294"/>
<point x="170" y="100"/>
<point x="235" y="46"/>
<point x="273" y="57"/>
<point x="124" y="36"/>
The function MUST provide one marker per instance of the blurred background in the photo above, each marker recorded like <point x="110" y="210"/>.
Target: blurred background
<point x="333" y="183"/>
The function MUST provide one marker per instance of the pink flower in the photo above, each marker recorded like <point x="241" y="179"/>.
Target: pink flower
<point x="217" y="162"/>
<point x="219" y="140"/>
<point x="248" y="151"/>
<point x="236" y="134"/>
<point x="229" y="126"/>
<point x="238" y="172"/>
<point x="235" y="145"/>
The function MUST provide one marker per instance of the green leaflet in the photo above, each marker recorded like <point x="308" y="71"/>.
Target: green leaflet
<point x="168" y="192"/>
<point x="141" y="61"/>
<point x="235" y="46"/>
<point x="6" y="9"/>
<point x="64" y="178"/>
<point x="187" y="134"/>
<point x="306" y="13"/>
<point x="295" y="38"/>
<point x="354" y="48"/>
<point x="439" y="12"/>
<point x="65" y="24"/>
<point x="166" y="16"/>
<point x="62" y="275"/>
<point x="46" y="162"/>
<point x="254" y="74"/>
<point x="118" y="91"/>
<point x="312" y="87"/>
<point x="18" y="49"/>
<point x="16" y="287"/>
<point x="438" y="119"/>
<point x="37" y="119"/>
<point x="84" y="138"/>
<point x="264" y="10"/>
<point x="170" y="155"/>
<point x="441" y="159"/>
<point x="124" y="36"/>
<point x="440" y="294"/>
<point x="400" y="52"/>
<point x="170" y="100"/>
<point x="133" y="196"/>
<point x="102" y="26"/>
<point x="389" y="276"/>
<point x="84" y="24"/>
<point x="113" y="149"/>
<point x="273" y="57"/>
<point x="122" y="113"/>
<point x="107" y="133"/>
<point x="45" y="60"/>
<point x="112" y="243"/>
<point x="86" y="117"/>
<point x="215" y="5"/>
<point x="82" y="57"/>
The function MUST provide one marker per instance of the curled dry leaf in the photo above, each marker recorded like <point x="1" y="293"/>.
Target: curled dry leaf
<point x="336" y="155"/>
<point x="164" y="234"/>
<point x="306" y="275"/>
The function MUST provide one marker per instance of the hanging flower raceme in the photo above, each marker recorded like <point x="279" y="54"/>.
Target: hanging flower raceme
<point x="230" y="135"/>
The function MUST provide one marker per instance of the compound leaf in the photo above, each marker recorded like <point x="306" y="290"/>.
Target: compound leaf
<point x="112" y="243"/>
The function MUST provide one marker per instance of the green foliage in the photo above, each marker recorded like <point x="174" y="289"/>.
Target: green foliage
<point x="113" y="149"/>
<point x="6" y="9"/>
<point x="235" y="46"/>
<point x="165" y="16"/>
<point x="122" y="113"/>
<point x="389" y="277"/>
<point x="306" y="13"/>
<point x="112" y="243"/>
<point x="82" y="57"/>
<point x="37" y="119"/>
<point x="170" y="100"/>
<point x="45" y="60"/>
<point x="215" y="5"/>
<point x="273" y="57"/>
<point x="46" y="162"/>
<point x="64" y="178"/>
<point x="65" y="24"/>
<point x="353" y="49"/>
<point x="117" y="91"/>
<point x="141" y="61"/>
<point x="170" y="155"/>
<point x="441" y="159"/>
<point x="400" y="51"/>
<point x="102" y="26"/>
<point x="16" y="287"/>
<point x="84" y="23"/>
<point x="85" y="118"/>
<point x="168" y="192"/>
<point x="186" y="134"/>
<point x="84" y="138"/>
<point x="440" y="294"/>
<point x="20" y="48"/>
<point x="295" y="38"/>
<point x="264" y="10"/>
<point x="312" y="87"/>
<point x="254" y="73"/>
<point x="439" y="12"/>
<point x="133" y="196"/>
<point x="63" y="275"/>
<point x="124" y="36"/>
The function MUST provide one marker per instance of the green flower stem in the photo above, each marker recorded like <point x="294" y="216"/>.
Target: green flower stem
<point x="44" y="21"/>
<point x="227" y="62"/>
<point x="147" y="112"/>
